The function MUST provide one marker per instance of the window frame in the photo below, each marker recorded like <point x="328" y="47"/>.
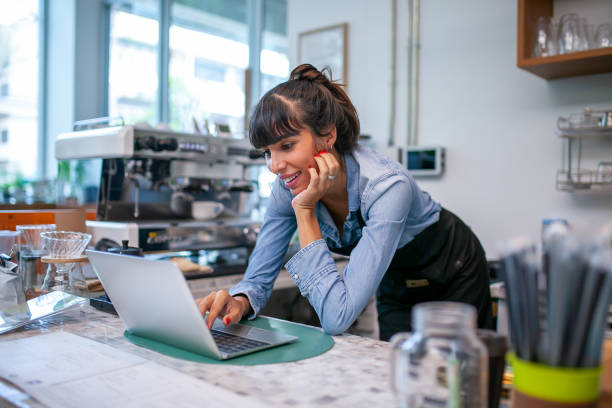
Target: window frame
<point x="43" y="75"/>
<point x="255" y="29"/>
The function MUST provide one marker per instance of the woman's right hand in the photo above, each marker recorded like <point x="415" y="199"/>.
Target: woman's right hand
<point x="221" y="304"/>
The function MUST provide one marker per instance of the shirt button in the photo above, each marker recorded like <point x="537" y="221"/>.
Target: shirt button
<point x="295" y="276"/>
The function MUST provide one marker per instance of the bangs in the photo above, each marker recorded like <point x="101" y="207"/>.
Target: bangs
<point x="273" y="120"/>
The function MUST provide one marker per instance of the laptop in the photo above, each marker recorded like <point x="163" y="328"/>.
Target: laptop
<point x="153" y="301"/>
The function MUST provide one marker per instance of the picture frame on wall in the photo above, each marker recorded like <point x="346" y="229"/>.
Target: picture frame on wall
<point x="325" y="47"/>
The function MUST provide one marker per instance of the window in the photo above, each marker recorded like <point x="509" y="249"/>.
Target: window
<point x="133" y="61"/>
<point x="207" y="58"/>
<point x="274" y="59"/>
<point x="209" y="54"/>
<point x="207" y="70"/>
<point x="19" y="31"/>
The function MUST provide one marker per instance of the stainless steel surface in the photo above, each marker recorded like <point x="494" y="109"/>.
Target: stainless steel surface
<point x="146" y="142"/>
<point x="30" y="265"/>
<point x="150" y="178"/>
<point x="163" y="189"/>
<point x="156" y="236"/>
<point x="45" y="305"/>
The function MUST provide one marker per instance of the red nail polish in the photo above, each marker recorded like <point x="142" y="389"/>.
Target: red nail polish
<point x="226" y="320"/>
<point x="310" y="167"/>
<point x="316" y="155"/>
<point x="323" y="151"/>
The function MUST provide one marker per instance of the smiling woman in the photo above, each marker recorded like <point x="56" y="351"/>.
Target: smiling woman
<point x="351" y="200"/>
<point x="291" y="158"/>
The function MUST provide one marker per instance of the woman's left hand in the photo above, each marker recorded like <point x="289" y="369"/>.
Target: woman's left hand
<point x="320" y="181"/>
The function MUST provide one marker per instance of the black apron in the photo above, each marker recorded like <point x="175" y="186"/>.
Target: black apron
<point x="444" y="262"/>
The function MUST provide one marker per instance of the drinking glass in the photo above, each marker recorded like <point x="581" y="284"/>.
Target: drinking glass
<point x="545" y="37"/>
<point x="585" y="34"/>
<point x="31" y="234"/>
<point x="569" y="39"/>
<point x="10" y="242"/>
<point x="603" y="36"/>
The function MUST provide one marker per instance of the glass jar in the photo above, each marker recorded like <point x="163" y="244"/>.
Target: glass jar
<point x="442" y="363"/>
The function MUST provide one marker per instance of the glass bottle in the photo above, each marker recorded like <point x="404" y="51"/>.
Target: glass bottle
<point x="442" y="363"/>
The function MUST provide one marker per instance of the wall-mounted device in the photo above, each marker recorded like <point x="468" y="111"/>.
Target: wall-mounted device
<point x="424" y="160"/>
<point x="420" y="160"/>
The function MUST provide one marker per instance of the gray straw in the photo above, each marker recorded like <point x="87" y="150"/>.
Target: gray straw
<point x="578" y="294"/>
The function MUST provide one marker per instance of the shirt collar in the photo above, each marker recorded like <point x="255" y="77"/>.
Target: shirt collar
<point x="352" y="181"/>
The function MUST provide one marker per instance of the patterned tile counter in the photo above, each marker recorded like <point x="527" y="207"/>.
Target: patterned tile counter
<point x="354" y="373"/>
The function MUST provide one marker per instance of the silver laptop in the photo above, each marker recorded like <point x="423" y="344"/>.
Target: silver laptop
<point x="153" y="301"/>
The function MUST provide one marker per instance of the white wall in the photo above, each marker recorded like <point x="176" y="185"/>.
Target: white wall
<point x="369" y="56"/>
<point x="495" y="119"/>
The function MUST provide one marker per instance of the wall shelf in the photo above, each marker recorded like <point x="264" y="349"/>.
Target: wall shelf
<point x="574" y="130"/>
<point x="581" y="180"/>
<point x="595" y="61"/>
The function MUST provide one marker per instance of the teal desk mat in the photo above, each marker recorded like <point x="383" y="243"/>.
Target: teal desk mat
<point x="312" y="342"/>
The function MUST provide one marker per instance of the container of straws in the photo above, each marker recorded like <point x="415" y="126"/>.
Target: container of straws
<point x="558" y="304"/>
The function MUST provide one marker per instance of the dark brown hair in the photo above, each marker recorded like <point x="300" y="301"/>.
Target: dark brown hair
<point x="308" y="100"/>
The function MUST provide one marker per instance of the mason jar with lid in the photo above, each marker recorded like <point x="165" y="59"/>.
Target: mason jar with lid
<point x="442" y="363"/>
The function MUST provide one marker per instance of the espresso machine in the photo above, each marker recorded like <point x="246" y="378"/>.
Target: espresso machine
<point x="150" y="179"/>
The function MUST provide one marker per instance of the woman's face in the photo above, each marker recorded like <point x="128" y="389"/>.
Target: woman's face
<point x="290" y="157"/>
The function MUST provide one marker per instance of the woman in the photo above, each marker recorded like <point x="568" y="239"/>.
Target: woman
<point x="346" y="198"/>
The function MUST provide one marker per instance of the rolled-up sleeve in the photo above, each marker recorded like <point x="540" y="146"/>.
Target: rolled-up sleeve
<point x="338" y="300"/>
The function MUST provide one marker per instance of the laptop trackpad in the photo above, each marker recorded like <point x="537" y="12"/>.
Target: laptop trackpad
<point x="254" y="333"/>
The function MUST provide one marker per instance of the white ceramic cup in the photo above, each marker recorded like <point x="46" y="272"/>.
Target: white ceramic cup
<point x="206" y="210"/>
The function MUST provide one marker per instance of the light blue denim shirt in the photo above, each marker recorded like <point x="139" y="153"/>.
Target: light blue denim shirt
<point x="394" y="210"/>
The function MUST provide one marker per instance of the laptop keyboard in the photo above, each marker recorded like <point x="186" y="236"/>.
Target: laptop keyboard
<point x="230" y="344"/>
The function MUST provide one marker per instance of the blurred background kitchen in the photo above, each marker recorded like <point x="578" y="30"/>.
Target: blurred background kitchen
<point x="486" y="81"/>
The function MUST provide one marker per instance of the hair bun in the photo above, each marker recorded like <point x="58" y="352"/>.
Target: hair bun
<point x="309" y="73"/>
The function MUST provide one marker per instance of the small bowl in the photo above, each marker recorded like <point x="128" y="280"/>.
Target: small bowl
<point x="206" y="210"/>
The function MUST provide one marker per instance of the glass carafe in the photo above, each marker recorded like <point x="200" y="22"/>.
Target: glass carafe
<point x="29" y="257"/>
<point x="442" y="363"/>
<point x="64" y="273"/>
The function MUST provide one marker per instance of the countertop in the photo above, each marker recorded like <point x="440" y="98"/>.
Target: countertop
<point x="354" y="373"/>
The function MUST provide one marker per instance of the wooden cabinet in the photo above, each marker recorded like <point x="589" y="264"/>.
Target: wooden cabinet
<point x="594" y="61"/>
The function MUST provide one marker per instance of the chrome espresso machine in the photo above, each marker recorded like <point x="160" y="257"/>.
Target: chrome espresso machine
<point x="150" y="181"/>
